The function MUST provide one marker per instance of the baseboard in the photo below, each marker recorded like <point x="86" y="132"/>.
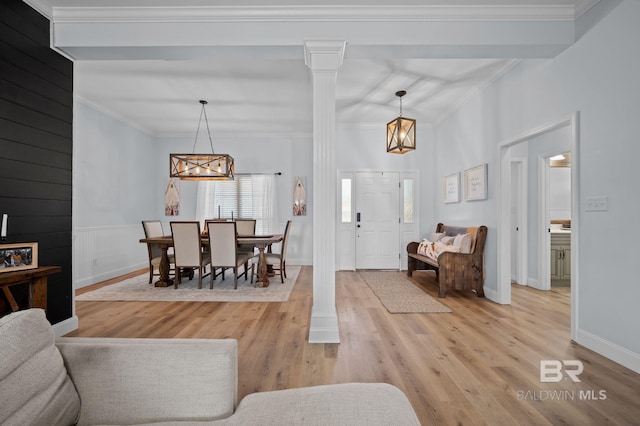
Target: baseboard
<point x="615" y="353"/>
<point x="491" y="295"/>
<point x="66" y="326"/>
<point x="533" y="283"/>
<point x="109" y="274"/>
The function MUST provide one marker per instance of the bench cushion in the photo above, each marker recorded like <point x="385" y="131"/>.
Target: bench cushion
<point x="34" y="384"/>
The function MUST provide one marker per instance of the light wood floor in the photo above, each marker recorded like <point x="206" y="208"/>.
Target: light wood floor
<point x="478" y="365"/>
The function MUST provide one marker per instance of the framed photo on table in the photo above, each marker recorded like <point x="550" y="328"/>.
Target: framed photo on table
<point x="475" y="183"/>
<point x="452" y="188"/>
<point x="19" y="256"/>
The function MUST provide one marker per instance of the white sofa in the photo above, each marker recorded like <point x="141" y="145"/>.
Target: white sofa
<point x="100" y="381"/>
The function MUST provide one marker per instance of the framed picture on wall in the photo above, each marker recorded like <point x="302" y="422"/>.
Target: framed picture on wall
<point x="452" y="188"/>
<point x="19" y="256"/>
<point x="475" y="183"/>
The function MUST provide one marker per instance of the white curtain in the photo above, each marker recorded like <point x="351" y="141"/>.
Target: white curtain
<point x="247" y="197"/>
<point x="264" y="201"/>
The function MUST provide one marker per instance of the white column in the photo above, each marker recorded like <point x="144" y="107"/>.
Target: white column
<point x="324" y="57"/>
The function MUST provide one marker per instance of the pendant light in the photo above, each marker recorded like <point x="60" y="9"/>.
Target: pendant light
<point x="401" y="132"/>
<point x="201" y="166"/>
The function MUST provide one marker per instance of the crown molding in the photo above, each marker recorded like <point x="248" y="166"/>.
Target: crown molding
<point x="422" y="13"/>
<point x="584" y="8"/>
<point x="41" y="6"/>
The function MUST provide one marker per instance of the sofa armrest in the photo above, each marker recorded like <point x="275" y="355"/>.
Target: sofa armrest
<point x="124" y="381"/>
<point x="353" y="404"/>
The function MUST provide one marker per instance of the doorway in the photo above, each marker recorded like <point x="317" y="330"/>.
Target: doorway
<point x="388" y="207"/>
<point x="505" y="252"/>
<point x="377" y="220"/>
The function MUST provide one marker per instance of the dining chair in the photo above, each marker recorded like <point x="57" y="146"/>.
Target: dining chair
<point x="277" y="261"/>
<point x="223" y="246"/>
<point x="153" y="228"/>
<point x="187" y="250"/>
<point x="246" y="227"/>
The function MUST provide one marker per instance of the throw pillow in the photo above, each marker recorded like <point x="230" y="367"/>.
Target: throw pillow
<point x="437" y="236"/>
<point x="448" y="240"/>
<point x="463" y="242"/>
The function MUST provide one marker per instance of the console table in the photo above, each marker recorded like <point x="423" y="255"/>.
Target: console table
<point x="37" y="280"/>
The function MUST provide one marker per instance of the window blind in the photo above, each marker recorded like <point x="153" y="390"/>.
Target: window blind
<point x="246" y="197"/>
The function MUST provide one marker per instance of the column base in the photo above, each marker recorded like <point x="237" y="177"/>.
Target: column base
<point x="324" y="328"/>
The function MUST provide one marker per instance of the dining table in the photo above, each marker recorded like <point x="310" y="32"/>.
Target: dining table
<point x="261" y="242"/>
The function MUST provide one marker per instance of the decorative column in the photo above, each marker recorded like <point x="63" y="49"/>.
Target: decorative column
<point x="324" y="57"/>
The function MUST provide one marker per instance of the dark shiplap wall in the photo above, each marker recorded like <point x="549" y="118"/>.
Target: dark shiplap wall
<point x="36" y="115"/>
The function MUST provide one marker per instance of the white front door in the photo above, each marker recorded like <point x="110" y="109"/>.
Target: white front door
<point x="377" y="220"/>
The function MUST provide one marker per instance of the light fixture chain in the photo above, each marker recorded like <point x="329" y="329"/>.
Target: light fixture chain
<point x="208" y="131"/>
<point x="193" y="150"/>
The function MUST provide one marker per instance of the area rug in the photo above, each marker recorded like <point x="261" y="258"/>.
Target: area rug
<point x="399" y="295"/>
<point x="138" y="289"/>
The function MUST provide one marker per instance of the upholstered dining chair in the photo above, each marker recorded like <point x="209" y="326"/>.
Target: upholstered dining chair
<point x="187" y="250"/>
<point x="246" y="227"/>
<point x="153" y="228"/>
<point x="278" y="261"/>
<point x="223" y="246"/>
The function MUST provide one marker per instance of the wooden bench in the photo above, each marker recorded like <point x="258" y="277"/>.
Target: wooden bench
<point x="454" y="271"/>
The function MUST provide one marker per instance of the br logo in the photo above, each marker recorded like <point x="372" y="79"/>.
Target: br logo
<point x="551" y="370"/>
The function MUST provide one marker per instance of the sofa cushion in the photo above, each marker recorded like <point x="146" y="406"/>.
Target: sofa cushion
<point x="353" y="404"/>
<point x="34" y="386"/>
<point x="137" y="381"/>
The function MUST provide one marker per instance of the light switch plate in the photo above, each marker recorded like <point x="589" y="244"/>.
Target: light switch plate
<point x="597" y="204"/>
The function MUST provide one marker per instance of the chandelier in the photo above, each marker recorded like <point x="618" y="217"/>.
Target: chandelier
<point x="201" y="166"/>
<point x="401" y="132"/>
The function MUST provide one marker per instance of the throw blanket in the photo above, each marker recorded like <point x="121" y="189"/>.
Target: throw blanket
<point x="434" y="249"/>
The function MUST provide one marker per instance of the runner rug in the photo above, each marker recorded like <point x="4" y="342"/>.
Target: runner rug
<point x="138" y="289"/>
<point x="399" y="295"/>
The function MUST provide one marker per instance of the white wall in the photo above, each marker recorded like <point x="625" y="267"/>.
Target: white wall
<point x="598" y="77"/>
<point x="112" y="193"/>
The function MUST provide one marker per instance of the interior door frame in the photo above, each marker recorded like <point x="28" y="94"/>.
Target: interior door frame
<point x="504" y="212"/>
<point x="522" y="253"/>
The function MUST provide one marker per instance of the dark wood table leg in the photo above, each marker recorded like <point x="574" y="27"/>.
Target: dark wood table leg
<point x="165" y="280"/>
<point x="263" y="276"/>
<point x="38" y="293"/>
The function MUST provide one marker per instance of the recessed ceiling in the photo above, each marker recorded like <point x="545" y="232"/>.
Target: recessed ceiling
<point x="268" y="94"/>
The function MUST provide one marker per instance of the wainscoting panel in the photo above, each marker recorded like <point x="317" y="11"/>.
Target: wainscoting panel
<point x="101" y="253"/>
